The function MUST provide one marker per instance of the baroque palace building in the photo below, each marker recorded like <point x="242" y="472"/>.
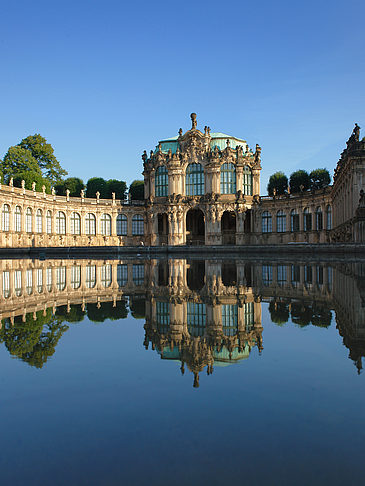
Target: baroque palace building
<point x="201" y="188"/>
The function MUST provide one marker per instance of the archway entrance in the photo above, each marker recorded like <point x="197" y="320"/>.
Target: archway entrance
<point x="163" y="228"/>
<point x="195" y="227"/>
<point x="228" y="228"/>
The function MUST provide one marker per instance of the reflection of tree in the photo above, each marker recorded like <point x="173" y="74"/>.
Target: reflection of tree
<point x="279" y="312"/>
<point x="107" y="310"/>
<point x="33" y="340"/>
<point x="137" y="306"/>
<point x="74" y="314"/>
<point x="321" y="315"/>
<point x="301" y="314"/>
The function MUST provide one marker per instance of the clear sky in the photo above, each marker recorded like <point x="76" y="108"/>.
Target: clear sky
<point x="104" y="80"/>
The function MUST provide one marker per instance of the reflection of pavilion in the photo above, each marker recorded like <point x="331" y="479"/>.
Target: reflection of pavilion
<point x="202" y="313"/>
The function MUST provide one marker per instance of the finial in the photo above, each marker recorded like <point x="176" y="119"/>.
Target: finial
<point x="180" y="132"/>
<point x="228" y="143"/>
<point x="144" y="156"/>
<point x="193" y="121"/>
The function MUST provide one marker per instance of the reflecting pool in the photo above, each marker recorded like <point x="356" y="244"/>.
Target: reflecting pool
<point x="206" y="372"/>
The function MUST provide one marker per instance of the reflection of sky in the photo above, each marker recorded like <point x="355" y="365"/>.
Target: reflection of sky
<point x="105" y="408"/>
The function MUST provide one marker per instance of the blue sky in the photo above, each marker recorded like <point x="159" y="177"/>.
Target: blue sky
<point x="104" y="80"/>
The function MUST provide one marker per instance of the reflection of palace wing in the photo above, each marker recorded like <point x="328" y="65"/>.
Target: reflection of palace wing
<point x="198" y="312"/>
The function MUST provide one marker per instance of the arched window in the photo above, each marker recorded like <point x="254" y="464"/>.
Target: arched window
<point x="137" y="225"/>
<point x="294" y="220"/>
<point x="121" y="225"/>
<point x="38" y="221"/>
<point x="329" y="217"/>
<point x="122" y="275"/>
<point x="228" y="178"/>
<point x="18" y="219"/>
<point x="49" y="222"/>
<point x="60" y="276"/>
<point x="61" y="223"/>
<point x="6" y="284"/>
<point x="28" y="220"/>
<point x="75" y="224"/>
<point x="229" y="319"/>
<point x="161" y="181"/>
<point x="39" y="275"/>
<point x="90" y="224"/>
<point x="18" y="283"/>
<point x="5" y="218"/>
<point x="106" y="225"/>
<point x="90" y="279"/>
<point x="307" y="220"/>
<point x="247" y="181"/>
<point x="266" y="222"/>
<point x="280" y="222"/>
<point x="106" y="275"/>
<point x="194" y="180"/>
<point x="76" y="276"/>
<point x="29" y="282"/>
<point x="319" y="219"/>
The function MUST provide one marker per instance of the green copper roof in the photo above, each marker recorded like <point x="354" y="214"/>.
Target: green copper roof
<point x="218" y="139"/>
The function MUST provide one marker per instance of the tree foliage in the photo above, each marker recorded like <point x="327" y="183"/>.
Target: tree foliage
<point x="118" y="187"/>
<point x="279" y="182"/>
<point x="299" y="180"/>
<point x="279" y="312"/>
<point x="319" y="178"/>
<point x="106" y="188"/>
<point x="33" y="154"/>
<point x="43" y="153"/>
<point x="29" y="177"/>
<point x="136" y="190"/>
<point x="73" y="184"/>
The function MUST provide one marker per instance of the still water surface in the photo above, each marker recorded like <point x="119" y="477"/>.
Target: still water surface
<point x="182" y="372"/>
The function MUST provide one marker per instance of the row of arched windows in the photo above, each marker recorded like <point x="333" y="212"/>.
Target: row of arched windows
<point x="59" y="226"/>
<point x="309" y="224"/>
<point x="37" y="280"/>
<point x="194" y="180"/>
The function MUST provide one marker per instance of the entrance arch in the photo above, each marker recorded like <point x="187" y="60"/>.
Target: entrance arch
<point x="228" y="228"/>
<point x="195" y="227"/>
<point x="163" y="228"/>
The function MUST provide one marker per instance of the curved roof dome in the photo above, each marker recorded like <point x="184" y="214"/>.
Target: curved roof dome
<point x="217" y="139"/>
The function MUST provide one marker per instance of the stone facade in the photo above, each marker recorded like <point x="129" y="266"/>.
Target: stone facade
<point x="201" y="188"/>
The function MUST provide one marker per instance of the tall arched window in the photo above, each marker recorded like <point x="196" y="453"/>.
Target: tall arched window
<point x="122" y="225"/>
<point x="194" y="180"/>
<point x="28" y="220"/>
<point x="61" y="223"/>
<point x="106" y="225"/>
<point x="90" y="279"/>
<point x="307" y="220"/>
<point x="106" y="275"/>
<point x="266" y="222"/>
<point x="75" y="224"/>
<point x="137" y="225"/>
<point x="161" y="181"/>
<point x="280" y="222"/>
<point x="229" y="319"/>
<point x="247" y="181"/>
<point x="228" y="178"/>
<point x="76" y="276"/>
<point x="319" y="219"/>
<point x="60" y="276"/>
<point x="329" y="217"/>
<point x="5" y="218"/>
<point x="38" y="221"/>
<point x="294" y="220"/>
<point x="18" y="219"/>
<point x="90" y="224"/>
<point x="49" y="222"/>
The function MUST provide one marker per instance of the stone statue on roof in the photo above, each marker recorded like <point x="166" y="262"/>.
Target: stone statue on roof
<point x="193" y="121"/>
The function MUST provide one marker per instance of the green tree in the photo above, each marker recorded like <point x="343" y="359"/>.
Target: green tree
<point x="119" y="187"/>
<point x="73" y="184"/>
<point x="43" y="153"/>
<point x="301" y="314"/>
<point x="319" y="178"/>
<point x="297" y="179"/>
<point x="279" y="182"/>
<point x="18" y="160"/>
<point x="29" y="177"/>
<point x="138" y="307"/>
<point x="136" y="190"/>
<point x="94" y="185"/>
